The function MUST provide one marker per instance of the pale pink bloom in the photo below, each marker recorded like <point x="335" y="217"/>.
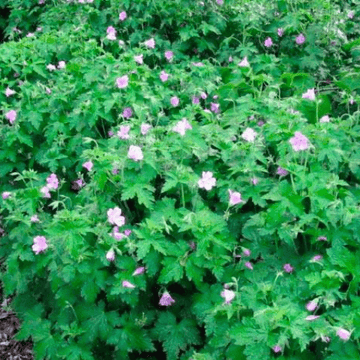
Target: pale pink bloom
<point x="351" y="15"/>
<point x="116" y="234"/>
<point x="110" y="255"/>
<point x="48" y="91"/>
<point x="195" y="100"/>
<point x="198" y="64"/>
<point x="51" y="67"/>
<point x="39" y="244"/>
<point x="127" y="113"/>
<point x="139" y="270"/>
<point x="235" y="197"/>
<point x="351" y="101"/>
<point x="280" y="31"/>
<point x="311" y="305"/>
<point x="182" y="126"/>
<point x="220" y="2"/>
<point x="244" y="62"/>
<point x="325" y="338"/>
<point x="249" y="265"/>
<point x="111" y="33"/>
<point x="111" y="133"/>
<point x="122" y="82"/>
<point x="317" y="258"/>
<point x="246" y="252"/>
<point x="9" y="92"/>
<point x="254" y="181"/>
<point x="139" y="59"/>
<point x="169" y="55"/>
<point x="46" y="192"/>
<point x="52" y="182"/>
<point x="123" y="133"/>
<point x="115" y="217"/>
<point x="135" y="153"/>
<point x="150" y="43"/>
<point x="288" y="268"/>
<point x="207" y="111"/>
<point x="115" y="171"/>
<point x="322" y="238"/>
<point x="11" y="116"/>
<point x="299" y="142"/>
<point x="282" y="172"/>
<point x="174" y="101"/>
<point x="127" y="232"/>
<point x="249" y="135"/>
<point x="343" y="334"/>
<point x="5" y="194"/>
<point x="300" y="39"/>
<point x="277" y="349"/>
<point x="34" y="218"/>
<point x="122" y="16"/>
<point x="88" y="165"/>
<point x="41" y="2"/>
<point x="89" y="1"/>
<point x="230" y="59"/>
<point x="30" y="34"/>
<point x="80" y="183"/>
<point x="203" y="95"/>
<point x="164" y="76"/>
<point x="207" y="181"/>
<point x="61" y="65"/>
<point x="145" y="128"/>
<point x="260" y="123"/>
<point x="310" y="94"/>
<point x="121" y="43"/>
<point x="325" y="118"/>
<point x="166" y="299"/>
<point x="228" y="295"/>
<point x="312" y="317"/>
<point x="127" y="284"/>
<point x="268" y="42"/>
<point x="215" y="107"/>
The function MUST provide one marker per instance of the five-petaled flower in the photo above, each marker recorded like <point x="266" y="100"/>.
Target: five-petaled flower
<point x="343" y="334"/>
<point x="244" y="62"/>
<point x="9" y="92"/>
<point x="268" y="42"/>
<point x="39" y="244"/>
<point x="123" y="133"/>
<point x="127" y="284"/>
<point x="288" y="268"/>
<point x="182" y="126"/>
<point x="150" y="43"/>
<point x="135" y="153"/>
<point x="163" y="76"/>
<point x="311" y="305"/>
<point x="249" y="135"/>
<point x="122" y="16"/>
<point x="299" y="142"/>
<point x="145" y="128"/>
<point x="88" y="165"/>
<point x="300" y="39"/>
<point x="52" y="182"/>
<point x="122" y="82"/>
<point x="115" y="217"/>
<point x="166" y="299"/>
<point x="11" y="116"/>
<point x="139" y="59"/>
<point x="310" y="94"/>
<point x="235" y="197"/>
<point x="228" y="295"/>
<point x="110" y="255"/>
<point x="169" y="55"/>
<point x="207" y="181"/>
<point x="174" y="101"/>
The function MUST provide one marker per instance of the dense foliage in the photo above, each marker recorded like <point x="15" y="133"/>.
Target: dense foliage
<point x="180" y="179"/>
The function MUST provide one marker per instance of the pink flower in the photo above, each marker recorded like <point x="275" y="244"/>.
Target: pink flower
<point x="127" y="284"/>
<point x="127" y="113"/>
<point x="122" y="82"/>
<point x="164" y="76"/>
<point x="203" y="95"/>
<point x="215" y="107"/>
<point x="111" y="33"/>
<point x="48" y="91"/>
<point x="325" y="338"/>
<point x="246" y="252"/>
<point x="11" y="116"/>
<point x="235" y="197"/>
<point x="312" y="317"/>
<point x="277" y="349"/>
<point x="249" y="135"/>
<point x="135" y="153"/>
<point x="282" y="172"/>
<point x="325" y="118"/>
<point x="317" y="258"/>
<point x="5" y="194"/>
<point x="207" y="181"/>
<point x="61" y="65"/>
<point x="343" y="334"/>
<point x="228" y="295"/>
<point x="139" y="270"/>
<point x="150" y="43"/>
<point x="288" y="268"/>
<point x="198" y="64"/>
<point x="351" y="101"/>
<point x="116" y="234"/>
<point x="182" y="126"/>
<point x="123" y="133"/>
<point x="268" y="42"/>
<point x="230" y="59"/>
<point x="127" y="232"/>
<point x="110" y="255"/>
<point x="46" y="192"/>
<point x="311" y="305"/>
<point x="220" y="2"/>
<point x="195" y="100"/>
<point x="351" y="15"/>
<point x="322" y="238"/>
<point x="249" y="265"/>
<point x="166" y="299"/>
<point x="115" y="217"/>
<point x="169" y="55"/>
<point x="254" y="181"/>
<point x="51" y="67"/>
<point x="121" y="43"/>
<point x="52" y="182"/>
<point x="139" y="59"/>
<point x="39" y="244"/>
<point x="310" y="94"/>
<point x="300" y="39"/>
<point x="9" y="92"/>
<point x="244" y="62"/>
<point x="280" y="32"/>
<point x="34" y="218"/>
<point x="174" y="101"/>
<point x="88" y="165"/>
<point x="299" y="142"/>
<point x="145" y="128"/>
<point x="122" y="16"/>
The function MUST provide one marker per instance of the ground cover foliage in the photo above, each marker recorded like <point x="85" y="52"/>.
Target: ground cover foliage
<point x="180" y="178"/>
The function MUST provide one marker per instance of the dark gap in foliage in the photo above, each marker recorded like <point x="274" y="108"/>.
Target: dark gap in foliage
<point x="5" y="14"/>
